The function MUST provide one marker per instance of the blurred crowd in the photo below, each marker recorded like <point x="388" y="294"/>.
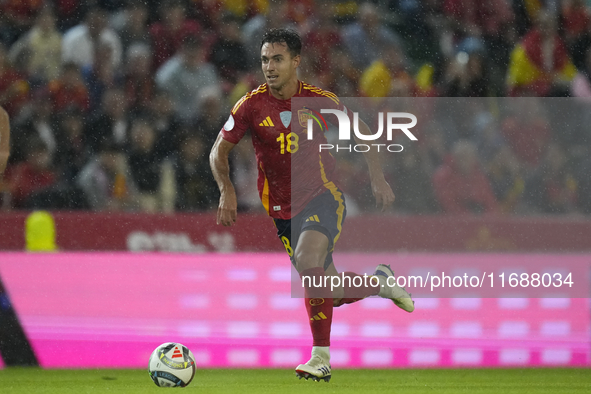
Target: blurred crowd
<point x="114" y="104"/>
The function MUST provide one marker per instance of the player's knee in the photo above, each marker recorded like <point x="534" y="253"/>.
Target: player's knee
<point x="306" y="259"/>
<point x="338" y="294"/>
<point x="336" y="302"/>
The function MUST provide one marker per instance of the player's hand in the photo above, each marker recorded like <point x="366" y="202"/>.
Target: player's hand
<point x="383" y="194"/>
<point x="227" y="210"/>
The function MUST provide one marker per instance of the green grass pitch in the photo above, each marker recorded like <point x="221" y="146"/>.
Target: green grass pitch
<point x="281" y="381"/>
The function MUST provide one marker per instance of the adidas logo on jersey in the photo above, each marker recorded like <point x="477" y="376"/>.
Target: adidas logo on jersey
<point x="313" y="219"/>
<point x="267" y="122"/>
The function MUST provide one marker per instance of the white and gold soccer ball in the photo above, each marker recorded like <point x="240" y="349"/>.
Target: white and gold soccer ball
<point x="172" y="365"/>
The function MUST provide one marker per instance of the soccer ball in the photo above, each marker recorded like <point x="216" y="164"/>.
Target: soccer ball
<point x="172" y="365"/>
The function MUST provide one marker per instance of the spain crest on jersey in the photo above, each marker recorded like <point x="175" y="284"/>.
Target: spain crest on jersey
<point x="303" y="116"/>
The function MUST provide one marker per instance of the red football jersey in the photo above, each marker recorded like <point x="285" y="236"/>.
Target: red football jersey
<point x="292" y="171"/>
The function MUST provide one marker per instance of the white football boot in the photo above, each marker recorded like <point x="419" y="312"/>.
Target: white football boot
<point x="397" y="294"/>
<point x="318" y="367"/>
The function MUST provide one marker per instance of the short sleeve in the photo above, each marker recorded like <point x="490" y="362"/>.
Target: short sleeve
<point x="336" y="103"/>
<point x="238" y="122"/>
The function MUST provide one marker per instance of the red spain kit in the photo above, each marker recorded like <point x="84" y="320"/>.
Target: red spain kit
<point x="292" y="170"/>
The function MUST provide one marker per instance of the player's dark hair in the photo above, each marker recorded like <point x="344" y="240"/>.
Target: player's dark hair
<point x="284" y="36"/>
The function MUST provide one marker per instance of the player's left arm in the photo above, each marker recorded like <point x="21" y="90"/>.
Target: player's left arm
<point x="4" y="140"/>
<point x="380" y="188"/>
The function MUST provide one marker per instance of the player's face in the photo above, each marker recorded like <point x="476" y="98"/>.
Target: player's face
<point x="279" y="67"/>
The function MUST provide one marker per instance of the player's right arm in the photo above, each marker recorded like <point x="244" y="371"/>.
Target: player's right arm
<point x="232" y="132"/>
<point x="218" y="160"/>
<point x="4" y="140"/>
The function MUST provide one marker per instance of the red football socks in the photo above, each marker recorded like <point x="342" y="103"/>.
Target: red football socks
<point x="318" y="304"/>
<point x="356" y="289"/>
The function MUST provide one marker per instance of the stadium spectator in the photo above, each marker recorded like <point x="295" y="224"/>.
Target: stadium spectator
<point x="411" y="182"/>
<point x="211" y="116"/>
<point x="100" y="76"/>
<point x="581" y="84"/>
<point x="487" y="136"/>
<point x="457" y="119"/>
<point x="112" y="6"/>
<point x="18" y="16"/>
<point x="139" y="81"/>
<point x="152" y="176"/>
<point x="579" y="45"/>
<point x="196" y="188"/>
<point x="14" y="89"/>
<point x="552" y="187"/>
<point x="540" y="64"/>
<point x="131" y="25"/>
<point x="576" y="20"/>
<point x="583" y="180"/>
<point x="460" y="184"/>
<point x="69" y="156"/>
<point x="228" y="54"/>
<point x="69" y="13"/>
<point x="41" y="48"/>
<point x="322" y="35"/>
<point x="434" y="147"/>
<point x="277" y="15"/>
<point x="79" y="43"/>
<point x="168" y="34"/>
<point x="527" y="131"/>
<point x="387" y="76"/>
<point x="485" y="32"/>
<point x="498" y="31"/>
<point x="423" y="26"/>
<point x="166" y="123"/>
<point x="33" y="175"/>
<point x="366" y="38"/>
<point x="464" y="17"/>
<point x="466" y="76"/>
<point x="106" y="182"/>
<point x="208" y="14"/>
<point x="72" y="154"/>
<point x="243" y="8"/>
<point x="506" y="179"/>
<point x="487" y="21"/>
<point x="185" y="75"/>
<point x="301" y="12"/>
<point x="339" y="75"/>
<point x="37" y="121"/>
<point x="68" y="90"/>
<point x="109" y="123"/>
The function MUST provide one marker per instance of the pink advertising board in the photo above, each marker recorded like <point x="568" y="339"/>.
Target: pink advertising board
<point x="235" y="310"/>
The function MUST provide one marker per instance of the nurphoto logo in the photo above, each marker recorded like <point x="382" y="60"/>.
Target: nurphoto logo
<point x="344" y="123"/>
